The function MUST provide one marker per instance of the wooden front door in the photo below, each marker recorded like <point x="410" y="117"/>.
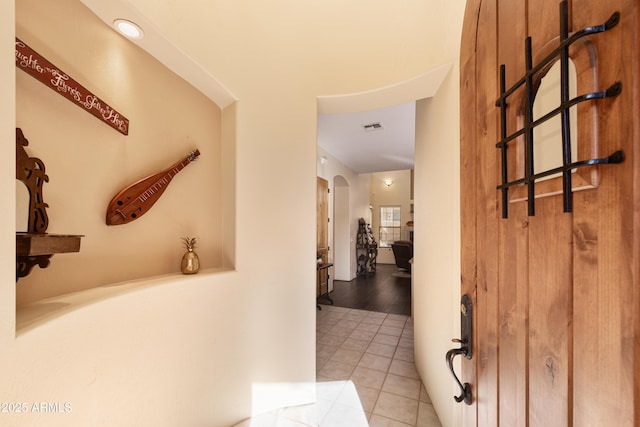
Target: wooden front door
<point x="555" y="294"/>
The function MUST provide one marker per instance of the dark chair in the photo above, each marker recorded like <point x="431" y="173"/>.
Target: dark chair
<point x="403" y="252"/>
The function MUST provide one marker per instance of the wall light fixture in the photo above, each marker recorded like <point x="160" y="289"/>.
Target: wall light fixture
<point x="388" y="182"/>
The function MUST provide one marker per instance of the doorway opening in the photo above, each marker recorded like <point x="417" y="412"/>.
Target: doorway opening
<point x="370" y="118"/>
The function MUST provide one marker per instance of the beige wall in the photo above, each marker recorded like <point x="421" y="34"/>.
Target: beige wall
<point x="397" y="194"/>
<point x="436" y="268"/>
<point x="88" y="162"/>
<point x="7" y="177"/>
<point x="196" y="350"/>
<point x="165" y="348"/>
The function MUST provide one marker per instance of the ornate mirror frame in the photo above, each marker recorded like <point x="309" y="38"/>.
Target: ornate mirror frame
<point x="36" y="246"/>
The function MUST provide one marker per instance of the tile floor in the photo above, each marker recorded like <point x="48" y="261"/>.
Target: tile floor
<point x="337" y="405"/>
<point x="375" y="351"/>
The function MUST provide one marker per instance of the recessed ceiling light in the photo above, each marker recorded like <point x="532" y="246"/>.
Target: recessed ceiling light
<point x="128" y="28"/>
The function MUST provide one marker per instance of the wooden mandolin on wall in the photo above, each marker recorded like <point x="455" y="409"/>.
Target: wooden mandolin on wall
<point x="136" y="199"/>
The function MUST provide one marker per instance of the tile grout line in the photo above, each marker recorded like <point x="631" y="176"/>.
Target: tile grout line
<point x="388" y="369"/>
<point x="404" y="333"/>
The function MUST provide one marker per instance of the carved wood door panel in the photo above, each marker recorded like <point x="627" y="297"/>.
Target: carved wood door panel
<point x="555" y="294"/>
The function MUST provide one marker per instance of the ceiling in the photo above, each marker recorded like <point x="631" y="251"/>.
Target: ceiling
<point x="341" y="117"/>
<point x="373" y="149"/>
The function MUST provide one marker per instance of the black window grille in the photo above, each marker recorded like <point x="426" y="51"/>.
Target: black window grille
<point x="561" y="52"/>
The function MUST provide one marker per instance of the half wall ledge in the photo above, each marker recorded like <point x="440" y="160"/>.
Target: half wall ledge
<point x="42" y="312"/>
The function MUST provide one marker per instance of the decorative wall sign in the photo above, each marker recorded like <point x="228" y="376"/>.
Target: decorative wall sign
<point x="136" y="199"/>
<point x="38" y="67"/>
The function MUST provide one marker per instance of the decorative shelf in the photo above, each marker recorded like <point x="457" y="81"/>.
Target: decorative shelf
<point x="34" y="244"/>
<point x="36" y="247"/>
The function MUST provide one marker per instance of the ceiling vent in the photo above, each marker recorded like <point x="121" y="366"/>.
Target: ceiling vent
<point x="372" y="127"/>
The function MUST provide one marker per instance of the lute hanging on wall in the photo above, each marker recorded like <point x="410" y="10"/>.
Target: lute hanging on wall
<point x="136" y="199"/>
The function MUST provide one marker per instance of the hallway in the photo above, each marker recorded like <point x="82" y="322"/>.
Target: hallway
<point x="381" y="292"/>
<point x="375" y="351"/>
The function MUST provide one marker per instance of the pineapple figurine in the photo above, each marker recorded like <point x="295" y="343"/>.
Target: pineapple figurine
<point x="190" y="261"/>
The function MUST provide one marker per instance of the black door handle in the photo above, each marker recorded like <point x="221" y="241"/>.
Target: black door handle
<point x="466" y="347"/>
<point x="466" y="387"/>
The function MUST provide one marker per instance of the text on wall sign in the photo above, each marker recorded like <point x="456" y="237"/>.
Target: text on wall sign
<point x="31" y="62"/>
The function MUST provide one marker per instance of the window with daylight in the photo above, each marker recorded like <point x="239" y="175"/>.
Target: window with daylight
<point x="390" y="228"/>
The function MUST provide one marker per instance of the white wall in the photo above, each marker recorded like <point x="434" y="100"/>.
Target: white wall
<point x="358" y="207"/>
<point x="436" y="268"/>
<point x="341" y="221"/>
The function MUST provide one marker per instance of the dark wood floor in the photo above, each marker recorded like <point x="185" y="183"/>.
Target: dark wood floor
<point x="379" y="292"/>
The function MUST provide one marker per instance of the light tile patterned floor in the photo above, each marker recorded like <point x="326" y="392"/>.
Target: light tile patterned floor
<point x="375" y="351"/>
<point x="337" y="405"/>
